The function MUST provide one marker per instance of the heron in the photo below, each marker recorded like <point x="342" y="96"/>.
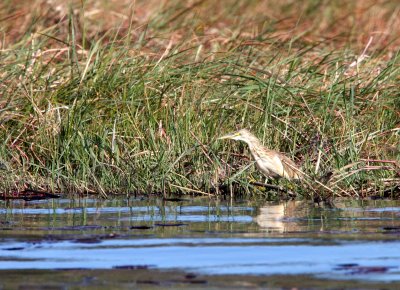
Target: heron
<point x="271" y="163"/>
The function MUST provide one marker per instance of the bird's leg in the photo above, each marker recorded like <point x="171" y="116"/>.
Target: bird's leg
<point x="272" y="178"/>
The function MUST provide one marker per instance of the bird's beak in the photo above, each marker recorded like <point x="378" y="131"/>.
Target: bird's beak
<point x="229" y="136"/>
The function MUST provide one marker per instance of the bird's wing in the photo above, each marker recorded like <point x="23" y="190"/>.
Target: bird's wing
<point x="291" y="169"/>
<point x="267" y="163"/>
<point x="278" y="165"/>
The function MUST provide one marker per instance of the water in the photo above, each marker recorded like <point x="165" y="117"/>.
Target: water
<point x="353" y="242"/>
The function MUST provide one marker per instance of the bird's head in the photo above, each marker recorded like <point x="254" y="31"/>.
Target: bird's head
<point x="242" y="135"/>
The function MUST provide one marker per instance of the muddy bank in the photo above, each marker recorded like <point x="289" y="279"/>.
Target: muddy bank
<point x="156" y="279"/>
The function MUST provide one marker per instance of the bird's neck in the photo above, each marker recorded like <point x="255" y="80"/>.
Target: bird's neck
<point x="253" y="142"/>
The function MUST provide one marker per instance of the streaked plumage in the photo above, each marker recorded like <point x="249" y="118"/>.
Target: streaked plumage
<point x="271" y="163"/>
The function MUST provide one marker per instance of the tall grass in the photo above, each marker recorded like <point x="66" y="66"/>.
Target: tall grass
<point x="137" y="106"/>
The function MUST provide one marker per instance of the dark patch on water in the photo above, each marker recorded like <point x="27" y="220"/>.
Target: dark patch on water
<point x="392" y="230"/>
<point x="93" y="240"/>
<point x="96" y="239"/>
<point x="14" y="249"/>
<point x="171" y="282"/>
<point x="356" y="269"/>
<point x="175" y="199"/>
<point x="140" y="227"/>
<point x="133" y="267"/>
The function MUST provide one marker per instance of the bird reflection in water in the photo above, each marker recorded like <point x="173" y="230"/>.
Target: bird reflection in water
<point x="278" y="218"/>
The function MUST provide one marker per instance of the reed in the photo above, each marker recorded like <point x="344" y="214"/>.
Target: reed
<point x="131" y="98"/>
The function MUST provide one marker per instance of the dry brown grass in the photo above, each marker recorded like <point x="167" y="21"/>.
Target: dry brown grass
<point x="215" y="25"/>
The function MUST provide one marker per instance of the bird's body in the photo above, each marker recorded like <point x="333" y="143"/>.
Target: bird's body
<point x="271" y="163"/>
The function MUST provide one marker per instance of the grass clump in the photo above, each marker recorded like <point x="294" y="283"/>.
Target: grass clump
<point x="131" y="98"/>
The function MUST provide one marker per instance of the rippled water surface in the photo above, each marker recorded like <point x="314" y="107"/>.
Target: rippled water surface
<point x="355" y="241"/>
